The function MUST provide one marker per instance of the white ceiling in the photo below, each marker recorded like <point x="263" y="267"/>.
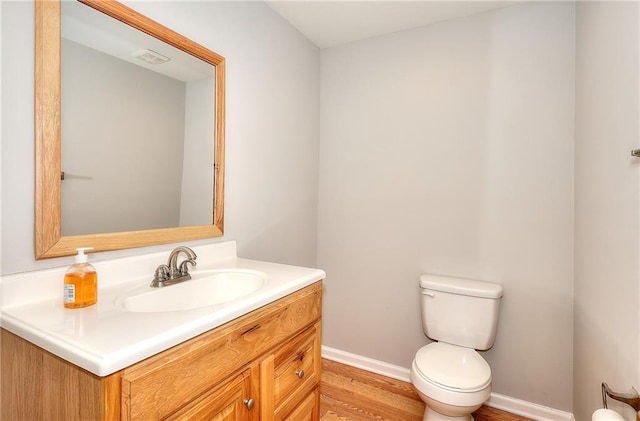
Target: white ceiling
<point x="328" y="23"/>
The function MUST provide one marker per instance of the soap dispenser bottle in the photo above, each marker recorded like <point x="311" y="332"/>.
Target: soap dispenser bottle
<point x="80" y="282"/>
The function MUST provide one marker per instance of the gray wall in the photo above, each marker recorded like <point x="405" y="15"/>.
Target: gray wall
<point x="449" y="149"/>
<point x="607" y="203"/>
<point x="272" y="129"/>
<point x="196" y="204"/>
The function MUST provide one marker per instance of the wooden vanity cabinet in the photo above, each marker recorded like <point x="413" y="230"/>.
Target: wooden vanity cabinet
<point x="264" y="365"/>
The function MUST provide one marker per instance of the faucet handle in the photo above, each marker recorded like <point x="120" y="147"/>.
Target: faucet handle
<point x="161" y="274"/>
<point x="184" y="268"/>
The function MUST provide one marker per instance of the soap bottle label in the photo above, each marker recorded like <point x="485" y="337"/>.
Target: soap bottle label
<point x="69" y="293"/>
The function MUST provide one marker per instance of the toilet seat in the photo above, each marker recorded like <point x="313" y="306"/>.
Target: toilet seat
<point x="439" y="372"/>
<point x="452" y="367"/>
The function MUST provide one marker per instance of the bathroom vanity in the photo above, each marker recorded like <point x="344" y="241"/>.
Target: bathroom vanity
<point x="263" y="364"/>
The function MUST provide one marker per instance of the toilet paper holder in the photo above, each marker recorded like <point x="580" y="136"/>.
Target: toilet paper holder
<point x="632" y="398"/>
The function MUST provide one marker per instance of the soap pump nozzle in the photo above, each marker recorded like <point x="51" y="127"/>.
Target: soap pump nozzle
<point x="81" y="257"/>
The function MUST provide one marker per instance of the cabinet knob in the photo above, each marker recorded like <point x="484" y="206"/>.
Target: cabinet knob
<point x="249" y="402"/>
<point x="300" y="373"/>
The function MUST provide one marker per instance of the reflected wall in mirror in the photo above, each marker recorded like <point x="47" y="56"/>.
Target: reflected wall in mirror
<point x="137" y="128"/>
<point x="143" y="160"/>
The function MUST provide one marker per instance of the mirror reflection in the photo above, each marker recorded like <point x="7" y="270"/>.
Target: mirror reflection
<point x="176" y="168"/>
<point x="137" y="129"/>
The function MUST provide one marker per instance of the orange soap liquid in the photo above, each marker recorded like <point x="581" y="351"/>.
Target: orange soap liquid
<point x="80" y="289"/>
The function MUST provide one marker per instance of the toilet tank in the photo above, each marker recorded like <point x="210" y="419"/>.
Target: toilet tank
<point x="460" y="311"/>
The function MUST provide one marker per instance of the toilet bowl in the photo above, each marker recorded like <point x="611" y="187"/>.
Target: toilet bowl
<point x="461" y="315"/>
<point x="453" y="381"/>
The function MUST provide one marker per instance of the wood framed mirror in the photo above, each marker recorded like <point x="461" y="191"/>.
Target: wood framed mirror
<point x="49" y="238"/>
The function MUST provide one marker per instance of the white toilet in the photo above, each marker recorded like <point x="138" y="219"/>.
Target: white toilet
<point x="449" y="375"/>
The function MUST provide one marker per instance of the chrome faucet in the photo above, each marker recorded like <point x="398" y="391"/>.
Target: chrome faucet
<point x="172" y="273"/>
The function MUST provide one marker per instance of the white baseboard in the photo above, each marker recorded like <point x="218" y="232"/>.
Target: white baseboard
<point x="527" y="409"/>
<point x="498" y="401"/>
<point x="368" y="364"/>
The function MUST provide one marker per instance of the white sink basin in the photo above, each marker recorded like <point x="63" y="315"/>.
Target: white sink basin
<point x="205" y="288"/>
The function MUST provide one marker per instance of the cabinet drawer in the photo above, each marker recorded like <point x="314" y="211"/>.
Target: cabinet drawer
<point x="163" y="384"/>
<point x="308" y="409"/>
<point x="296" y="370"/>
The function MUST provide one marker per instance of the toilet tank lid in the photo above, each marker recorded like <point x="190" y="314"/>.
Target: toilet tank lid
<point x="461" y="286"/>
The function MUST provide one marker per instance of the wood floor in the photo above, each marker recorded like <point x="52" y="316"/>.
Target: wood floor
<point x="351" y="394"/>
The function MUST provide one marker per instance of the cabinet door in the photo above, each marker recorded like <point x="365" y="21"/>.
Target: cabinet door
<point x="235" y="400"/>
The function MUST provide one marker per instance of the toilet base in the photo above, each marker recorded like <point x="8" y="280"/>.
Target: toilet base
<point x="439" y="411"/>
<point x="432" y="415"/>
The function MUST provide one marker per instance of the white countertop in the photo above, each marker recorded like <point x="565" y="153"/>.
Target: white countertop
<point x="105" y="338"/>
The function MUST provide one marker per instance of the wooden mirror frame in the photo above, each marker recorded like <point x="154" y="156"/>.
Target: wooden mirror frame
<point x="49" y="241"/>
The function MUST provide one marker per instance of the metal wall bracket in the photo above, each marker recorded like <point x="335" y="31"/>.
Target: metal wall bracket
<point x="632" y="398"/>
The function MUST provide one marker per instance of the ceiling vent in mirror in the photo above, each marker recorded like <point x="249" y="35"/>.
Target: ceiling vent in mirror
<point x="150" y="57"/>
